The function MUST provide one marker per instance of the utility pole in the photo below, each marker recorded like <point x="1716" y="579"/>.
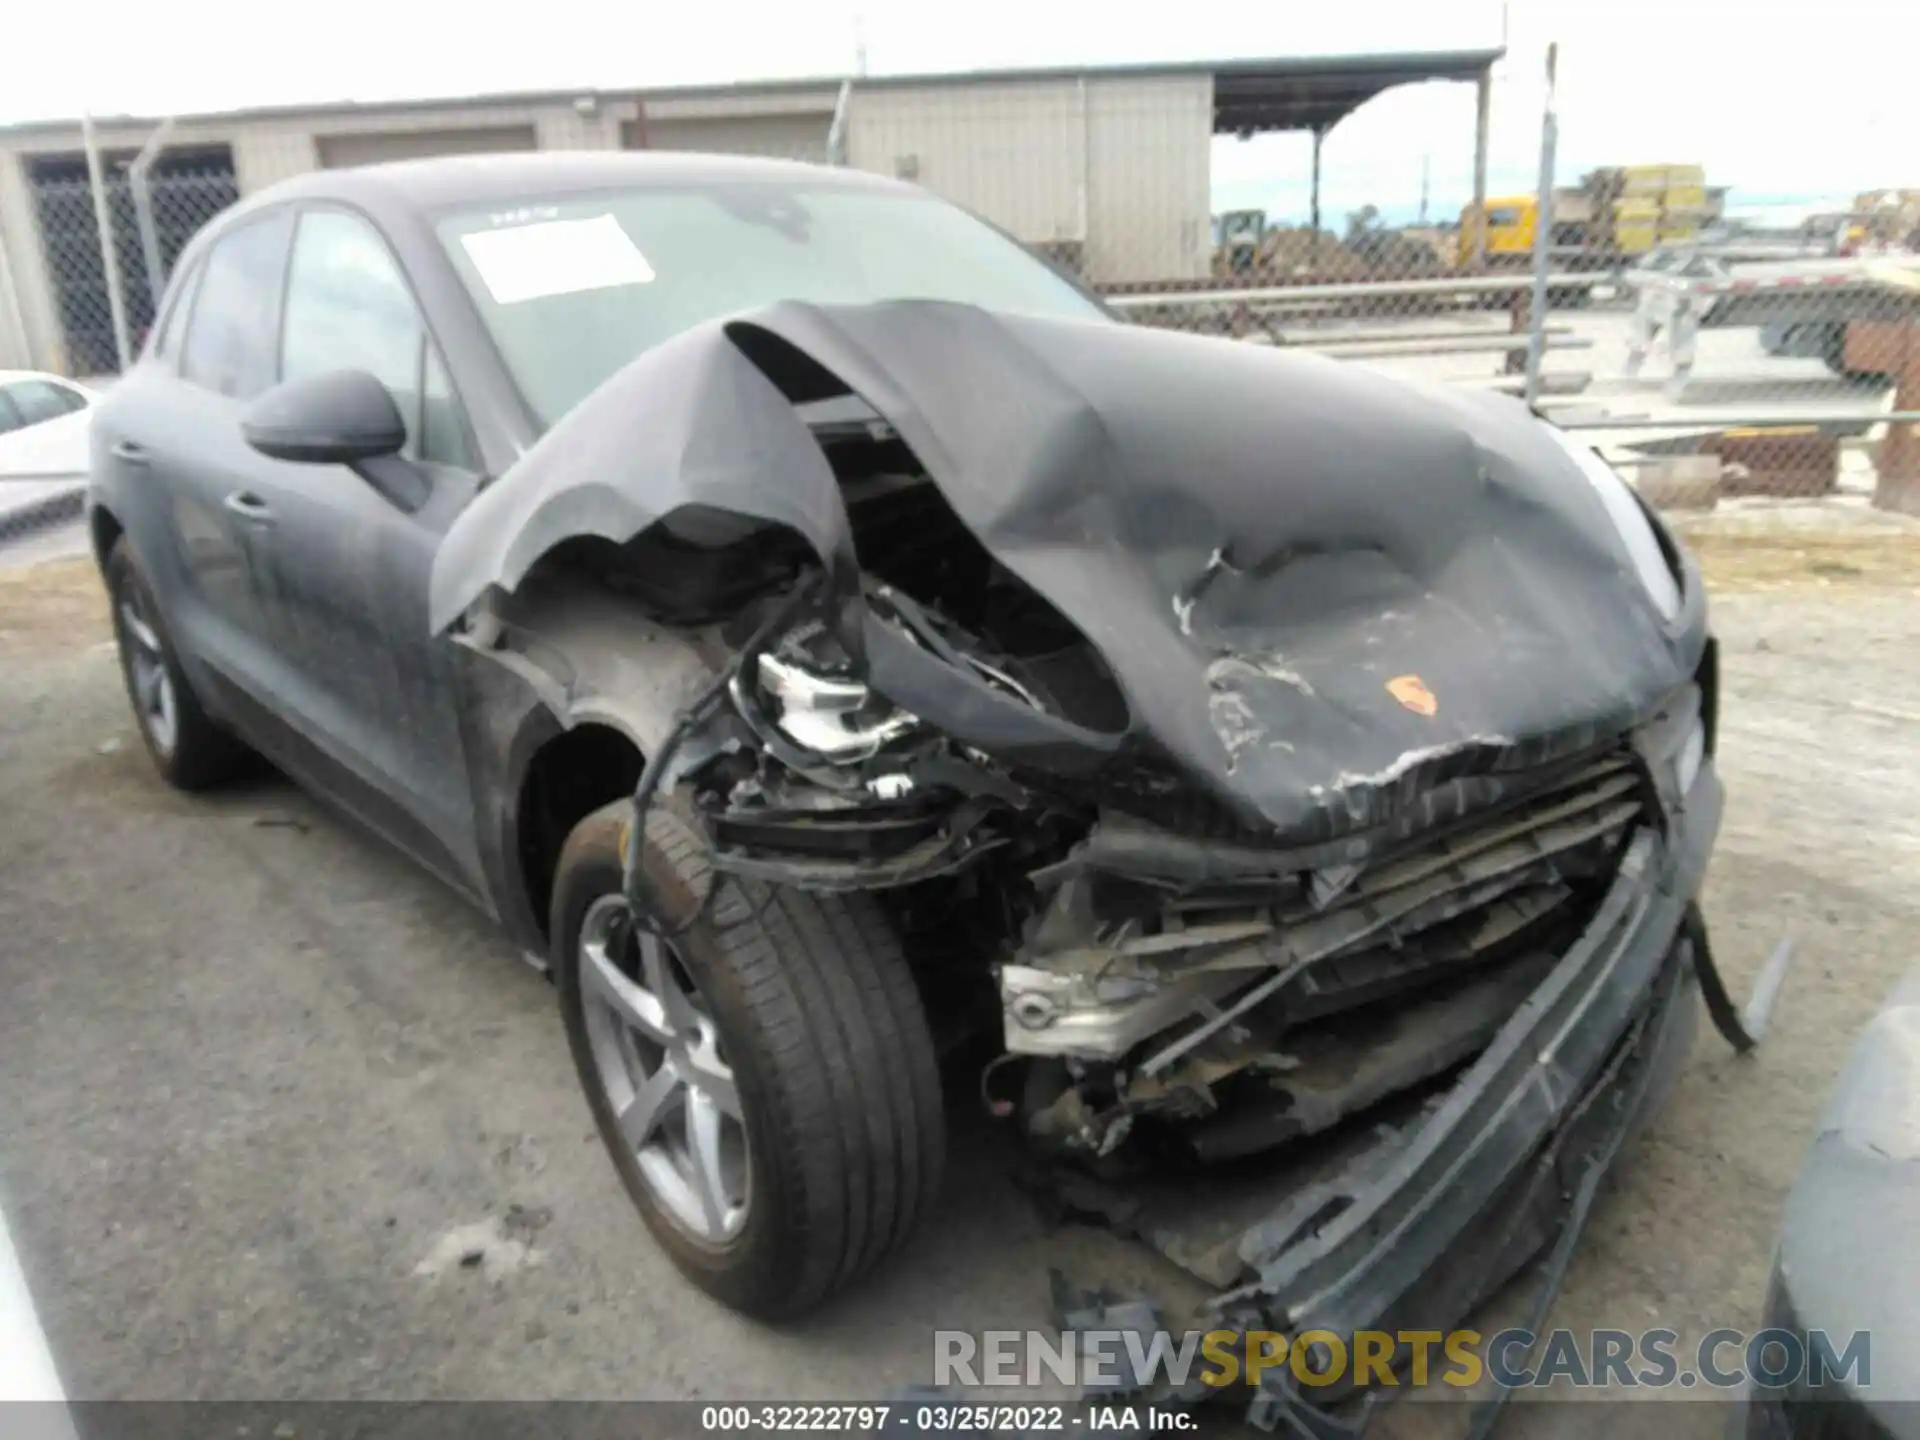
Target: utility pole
<point x="1542" y="232"/>
<point x="1426" y="178"/>
<point x="109" y="252"/>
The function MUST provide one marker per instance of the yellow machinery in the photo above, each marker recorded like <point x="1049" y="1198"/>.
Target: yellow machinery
<point x="1884" y="219"/>
<point x="1614" y="214"/>
<point x="1509" y="228"/>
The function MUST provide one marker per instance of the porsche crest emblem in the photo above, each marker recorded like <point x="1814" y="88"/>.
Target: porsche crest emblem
<point x="1412" y="692"/>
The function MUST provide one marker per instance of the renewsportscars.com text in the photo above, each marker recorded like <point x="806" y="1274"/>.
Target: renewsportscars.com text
<point x="1513" y="1359"/>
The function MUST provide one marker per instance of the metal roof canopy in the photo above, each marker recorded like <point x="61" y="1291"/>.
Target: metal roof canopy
<point x="1283" y="93"/>
<point x="1316" y="93"/>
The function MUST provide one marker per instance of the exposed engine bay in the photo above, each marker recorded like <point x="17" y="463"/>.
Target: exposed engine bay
<point x="1165" y="976"/>
<point x="1160" y="989"/>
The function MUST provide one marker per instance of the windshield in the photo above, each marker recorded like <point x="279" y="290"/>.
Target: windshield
<point x="573" y="290"/>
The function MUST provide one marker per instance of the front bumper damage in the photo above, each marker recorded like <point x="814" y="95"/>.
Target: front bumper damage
<point x="1516" y="967"/>
<point x="1513" y="1154"/>
<point x="1420" y="1221"/>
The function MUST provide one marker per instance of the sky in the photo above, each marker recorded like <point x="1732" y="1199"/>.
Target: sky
<point x="1804" y="101"/>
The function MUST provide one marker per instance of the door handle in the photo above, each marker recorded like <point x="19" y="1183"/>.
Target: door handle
<point x="249" y="507"/>
<point x="131" y="453"/>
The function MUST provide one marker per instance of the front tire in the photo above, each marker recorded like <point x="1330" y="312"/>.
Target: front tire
<point x="189" y="749"/>
<point x="765" y="1081"/>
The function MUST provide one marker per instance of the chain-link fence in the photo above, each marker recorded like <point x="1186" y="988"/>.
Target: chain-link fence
<point x="1714" y="368"/>
<point x="110" y="231"/>
<point x="1713" y="350"/>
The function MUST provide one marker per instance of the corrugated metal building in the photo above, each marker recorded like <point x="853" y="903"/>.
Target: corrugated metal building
<point x="1108" y="169"/>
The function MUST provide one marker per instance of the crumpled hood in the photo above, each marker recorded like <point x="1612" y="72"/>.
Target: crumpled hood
<point x="1316" y="586"/>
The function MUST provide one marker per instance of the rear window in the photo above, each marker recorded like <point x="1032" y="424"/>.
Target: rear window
<point x="39" y="400"/>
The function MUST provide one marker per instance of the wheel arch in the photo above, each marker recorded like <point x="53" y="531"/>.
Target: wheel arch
<point x="568" y="772"/>
<point x="567" y="695"/>
<point x="103" y="531"/>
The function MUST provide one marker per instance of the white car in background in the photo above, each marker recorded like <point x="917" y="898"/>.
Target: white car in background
<point x="43" y="426"/>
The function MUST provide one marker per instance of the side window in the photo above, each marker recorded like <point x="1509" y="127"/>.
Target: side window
<point x="37" y="400"/>
<point x="166" y="341"/>
<point x="230" y="335"/>
<point x="349" y="309"/>
<point x="9" y="417"/>
<point x="443" y="431"/>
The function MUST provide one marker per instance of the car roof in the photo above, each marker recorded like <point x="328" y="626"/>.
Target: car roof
<point x="454" y="181"/>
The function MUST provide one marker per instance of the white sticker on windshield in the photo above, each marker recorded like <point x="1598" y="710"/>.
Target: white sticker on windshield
<point x="555" y="257"/>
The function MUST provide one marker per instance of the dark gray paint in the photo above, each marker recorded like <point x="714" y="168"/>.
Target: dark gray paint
<point x="297" y="592"/>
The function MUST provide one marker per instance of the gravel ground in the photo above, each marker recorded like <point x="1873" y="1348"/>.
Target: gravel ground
<point x="262" y="1082"/>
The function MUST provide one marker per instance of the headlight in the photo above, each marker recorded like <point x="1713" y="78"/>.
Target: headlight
<point x="1629" y="520"/>
<point x="840" y="719"/>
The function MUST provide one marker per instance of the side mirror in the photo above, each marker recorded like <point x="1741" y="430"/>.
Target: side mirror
<point x="342" y="417"/>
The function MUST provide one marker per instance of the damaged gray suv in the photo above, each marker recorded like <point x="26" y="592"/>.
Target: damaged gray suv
<point x="836" y="643"/>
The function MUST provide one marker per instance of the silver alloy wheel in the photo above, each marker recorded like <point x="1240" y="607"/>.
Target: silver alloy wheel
<point x="153" y="700"/>
<point x="658" y="1058"/>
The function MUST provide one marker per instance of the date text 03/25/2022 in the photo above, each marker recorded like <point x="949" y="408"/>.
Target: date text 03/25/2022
<point x="943" y="1417"/>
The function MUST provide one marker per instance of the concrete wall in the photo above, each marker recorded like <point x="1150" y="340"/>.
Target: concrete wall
<point x="1118" y="166"/>
<point x="1014" y="153"/>
<point x="25" y="298"/>
<point x="266" y="150"/>
<point x="1149" y="207"/>
<point x="1113" y="165"/>
<point x="784" y="137"/>
<point x="377" y="147"/>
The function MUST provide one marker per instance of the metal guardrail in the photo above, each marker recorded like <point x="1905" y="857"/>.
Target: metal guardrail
<point x="1828" y="420"/>
<point x="1354" y="290"/>
<point x="1333" y="339"/>
<point x="18" y="522"/>
<point x="1383" y="349"/>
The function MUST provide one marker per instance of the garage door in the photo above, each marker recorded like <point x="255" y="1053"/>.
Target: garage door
<point x="785" y="137"/>
<point x="337" y="151"/>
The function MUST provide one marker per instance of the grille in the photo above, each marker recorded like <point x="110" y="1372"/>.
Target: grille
<point x="1389" y="974"/>
<point x="1540" y="848"/>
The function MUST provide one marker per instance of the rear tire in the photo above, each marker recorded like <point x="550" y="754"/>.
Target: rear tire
<point x="189" y="749"/>
<point x="807" y="1021"/>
